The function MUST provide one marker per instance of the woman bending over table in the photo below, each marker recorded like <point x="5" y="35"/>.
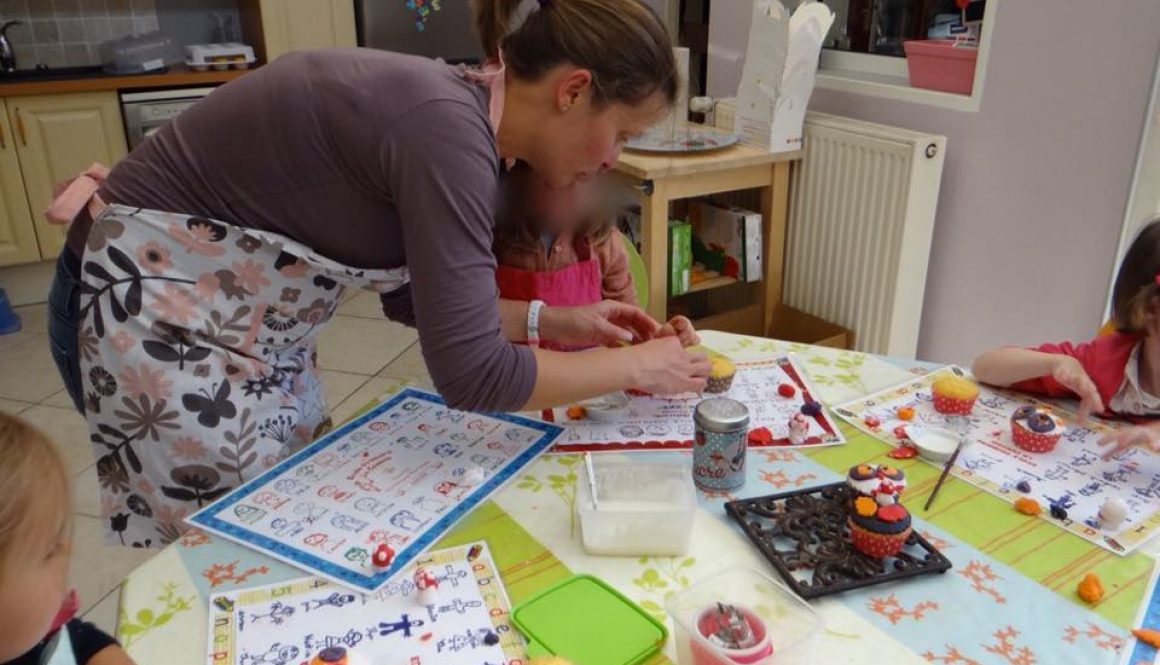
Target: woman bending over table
<point x="199" y="274"/>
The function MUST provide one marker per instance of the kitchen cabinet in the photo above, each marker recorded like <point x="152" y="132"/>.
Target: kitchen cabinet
<point x="291" y="25"/>
<point x="17" y="234"/>
<point x="56" y="137"/>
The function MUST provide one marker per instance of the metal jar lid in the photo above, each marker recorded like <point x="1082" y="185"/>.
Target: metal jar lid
<point x="721" y="414"/>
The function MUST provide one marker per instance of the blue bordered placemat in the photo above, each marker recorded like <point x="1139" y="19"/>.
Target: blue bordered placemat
<point x="210" y="520"/>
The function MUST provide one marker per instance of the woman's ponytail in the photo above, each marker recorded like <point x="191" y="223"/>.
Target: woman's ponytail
<point x="492" y="19"/>
<point x="622" y="42"/>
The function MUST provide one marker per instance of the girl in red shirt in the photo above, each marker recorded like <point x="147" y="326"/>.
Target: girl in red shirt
<point x="1115" y="374"/>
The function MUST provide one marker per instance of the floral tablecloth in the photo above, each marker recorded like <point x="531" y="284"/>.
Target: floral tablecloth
<point x="1009" y="599"/>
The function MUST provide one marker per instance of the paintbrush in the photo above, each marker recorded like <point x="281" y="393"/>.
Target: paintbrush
<point x="946" y="470"/>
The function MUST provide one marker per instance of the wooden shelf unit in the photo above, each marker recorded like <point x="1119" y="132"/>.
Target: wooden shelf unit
<point x="661" y="179"/>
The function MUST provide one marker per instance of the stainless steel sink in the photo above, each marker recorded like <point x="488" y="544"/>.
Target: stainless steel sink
<point x="42" y="73"/>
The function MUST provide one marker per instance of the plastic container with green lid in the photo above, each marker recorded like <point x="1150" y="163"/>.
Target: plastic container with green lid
<point x="587" y="622"/>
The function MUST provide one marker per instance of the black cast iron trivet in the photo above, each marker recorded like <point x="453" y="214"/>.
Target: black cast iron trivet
<point x="804" y="535"/>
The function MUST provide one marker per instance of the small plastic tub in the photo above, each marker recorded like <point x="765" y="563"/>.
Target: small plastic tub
<point x="642" y="508"/>
<point x="941" y="64"/>
<point x="784" y="627"/>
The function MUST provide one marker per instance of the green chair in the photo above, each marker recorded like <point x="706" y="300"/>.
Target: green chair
<point x="639" y="272"/>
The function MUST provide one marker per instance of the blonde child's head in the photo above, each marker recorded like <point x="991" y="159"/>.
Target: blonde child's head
<point x="531" y="208"/>
<point x="1136" y="295"/>
<point x="35" y="533"/>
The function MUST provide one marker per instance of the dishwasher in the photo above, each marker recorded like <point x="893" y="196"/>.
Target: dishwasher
<point x="146" y="112"/>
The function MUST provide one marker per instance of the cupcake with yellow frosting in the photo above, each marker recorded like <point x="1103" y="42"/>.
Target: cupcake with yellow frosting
<point x="954" y="395"/>
<point x="720" y="375"/>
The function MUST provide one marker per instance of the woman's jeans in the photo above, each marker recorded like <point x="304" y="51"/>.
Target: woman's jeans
<point x="64" y="323"/>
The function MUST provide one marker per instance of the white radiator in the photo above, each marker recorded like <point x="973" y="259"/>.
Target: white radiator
<point x="861" y="215"/>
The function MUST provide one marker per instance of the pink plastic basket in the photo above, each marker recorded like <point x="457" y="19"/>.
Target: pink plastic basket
<point x="938" y="64"/>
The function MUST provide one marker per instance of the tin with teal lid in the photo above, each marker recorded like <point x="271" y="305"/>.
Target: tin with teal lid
<point x="720" y="443"/>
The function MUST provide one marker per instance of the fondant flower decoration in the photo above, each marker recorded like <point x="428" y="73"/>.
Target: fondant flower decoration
<point x="865" y="506"/>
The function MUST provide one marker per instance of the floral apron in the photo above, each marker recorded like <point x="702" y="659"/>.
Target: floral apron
<point x="198" y="353"/>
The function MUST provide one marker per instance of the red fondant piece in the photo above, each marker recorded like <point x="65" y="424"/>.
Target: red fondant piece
<point x="760" y="436"/>
<point x="383" y="555"/>
<point x="903" y="452"/>
<point x="891" y="513"/>
<point x="786" y="390"/>
<point x="872" y="422"/>
<point x="900" y="432"/>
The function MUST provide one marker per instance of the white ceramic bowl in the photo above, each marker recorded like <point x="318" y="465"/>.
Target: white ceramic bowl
<point x="606" y="408"/>
<point x="934" y="443"/>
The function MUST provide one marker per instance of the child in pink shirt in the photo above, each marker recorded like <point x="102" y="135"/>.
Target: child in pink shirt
<point x="1115" y="374"/>
<point x="560" y="247"/>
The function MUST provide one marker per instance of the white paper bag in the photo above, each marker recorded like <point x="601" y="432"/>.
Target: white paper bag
<point x="778" y="77"/>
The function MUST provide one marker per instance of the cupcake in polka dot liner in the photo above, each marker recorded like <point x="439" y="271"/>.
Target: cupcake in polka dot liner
<point x="879" y="524"/>
<point x="954" y="395"/>
<point x="1036" y="430"/>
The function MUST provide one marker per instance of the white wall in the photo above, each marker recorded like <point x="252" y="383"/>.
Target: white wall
<point x="1036" y="182"/>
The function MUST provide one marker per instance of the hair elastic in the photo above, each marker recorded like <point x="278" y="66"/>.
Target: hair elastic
<point x="1157" y="278"/>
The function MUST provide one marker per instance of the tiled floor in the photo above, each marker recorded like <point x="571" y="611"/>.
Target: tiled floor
<point x="361" y="353"/>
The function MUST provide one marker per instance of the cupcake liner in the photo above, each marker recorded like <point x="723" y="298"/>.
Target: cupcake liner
<point x="953" y="406"/>
<point x="719" y="384"/>
<point x="877" y="545"/>
<point x="1034" y="442"/>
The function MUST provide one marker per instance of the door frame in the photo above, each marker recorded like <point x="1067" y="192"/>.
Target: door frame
<point x="1144" y="197"/>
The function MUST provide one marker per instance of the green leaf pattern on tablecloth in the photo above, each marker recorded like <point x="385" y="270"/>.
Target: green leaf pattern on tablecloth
<point x="837" y="375"/>
<point x="562" y="482"/>
<point x="135" y="623"/>
<point x="660" y="579"/>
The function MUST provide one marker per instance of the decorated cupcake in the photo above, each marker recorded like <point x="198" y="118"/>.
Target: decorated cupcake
<point x="1035" y="430"/>
<point x="879" y="524"/>
<point x="878" y="531"/>
<point x="954" y="395"/>
<point x="720" y="375"/>
<point x="883" y="483"/>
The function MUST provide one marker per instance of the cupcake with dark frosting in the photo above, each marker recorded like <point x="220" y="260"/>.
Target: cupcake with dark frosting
<point x="1035" y="429"/>
<point x="879" y="525"/>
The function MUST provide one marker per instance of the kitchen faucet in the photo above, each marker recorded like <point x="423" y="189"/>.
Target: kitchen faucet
<point x="7" y="54"/>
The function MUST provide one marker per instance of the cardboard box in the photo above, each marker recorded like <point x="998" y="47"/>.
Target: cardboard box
<point x="794" y="325"/>
<point x="680" y="256"/>
<point x="737" y="232"/>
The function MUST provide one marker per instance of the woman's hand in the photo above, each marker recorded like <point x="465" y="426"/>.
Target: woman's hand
<point x="605" y="323"/>
<point x="1071" y="375"/>
<point x="1123" y="439"/>
<point x="681" y="328"/>
<point x="664" y="367"/>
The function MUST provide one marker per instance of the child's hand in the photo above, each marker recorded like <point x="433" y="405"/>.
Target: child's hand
<point x="681" y="328"/>
<point x="1128" y="437"/>
<point x="1070" y="374"/>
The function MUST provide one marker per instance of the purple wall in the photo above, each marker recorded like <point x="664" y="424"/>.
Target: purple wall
<point x="1036" y="182"/>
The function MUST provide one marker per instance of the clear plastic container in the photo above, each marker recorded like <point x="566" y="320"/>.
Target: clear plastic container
<point x="783" y="626"/>
<point x="136" y="54"/>
<point x="642" y="507"/>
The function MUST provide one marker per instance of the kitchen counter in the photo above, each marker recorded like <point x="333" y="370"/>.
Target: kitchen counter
<point x="175" y="77"/>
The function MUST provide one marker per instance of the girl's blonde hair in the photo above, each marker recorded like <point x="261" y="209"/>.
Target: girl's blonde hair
<point x="35" y="491"/>
<point x="622" y="42"/>
<point x="1138" y="281"/>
